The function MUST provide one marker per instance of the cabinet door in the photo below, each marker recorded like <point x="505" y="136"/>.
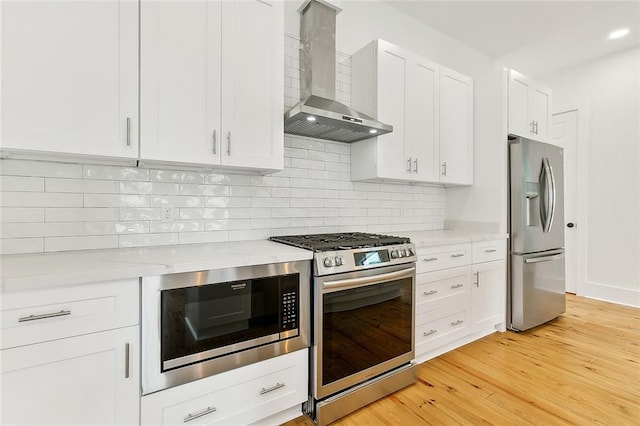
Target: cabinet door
<point x="252" y="84"/>
<point x="90" y="379"/>
<point x="70" y="77"/>
<point x="519" y="121"/>
<point x="540" y="111"/>
<point x="488" y="295"/>
<point x="422" y="119"/>
<point x="180" y="72"/>
<point x="392" y="158"/>
<point x="456" y="127"/>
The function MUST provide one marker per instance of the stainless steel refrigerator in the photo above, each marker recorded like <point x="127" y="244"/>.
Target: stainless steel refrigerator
<point x="536" y="230"/>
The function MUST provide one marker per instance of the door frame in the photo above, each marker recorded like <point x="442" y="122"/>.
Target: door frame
<point x="582" y="148"/>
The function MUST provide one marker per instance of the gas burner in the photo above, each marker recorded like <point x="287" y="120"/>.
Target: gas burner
<point x="339" y="241"/>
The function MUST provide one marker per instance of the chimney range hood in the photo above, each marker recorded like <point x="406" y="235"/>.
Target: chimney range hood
<point x="318" y="115"/>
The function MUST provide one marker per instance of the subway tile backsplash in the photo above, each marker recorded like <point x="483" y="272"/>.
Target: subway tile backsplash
<point x="50" y="206"/>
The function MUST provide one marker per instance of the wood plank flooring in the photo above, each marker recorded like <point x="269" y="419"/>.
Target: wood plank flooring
<point x="582" y="368"/>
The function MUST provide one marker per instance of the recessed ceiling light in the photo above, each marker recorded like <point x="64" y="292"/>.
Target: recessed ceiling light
<point x="619" y="33"/>
<point x="373" y="131"/>
<point x="311" y="118"/>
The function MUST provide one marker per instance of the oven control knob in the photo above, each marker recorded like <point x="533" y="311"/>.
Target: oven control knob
<point x="411" y="252"/>
<point x="328" y="262"/>
<point x="394" y="254"/>
<point x="338" y="260"/>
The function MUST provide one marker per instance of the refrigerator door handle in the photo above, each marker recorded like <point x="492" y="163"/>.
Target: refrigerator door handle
<point x="544" y="258"/>
<point x="548" y="204"/>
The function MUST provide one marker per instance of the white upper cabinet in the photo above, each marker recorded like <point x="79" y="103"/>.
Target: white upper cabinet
<point x="430" y="109"/>
<point x="456" y="128"/>
<point x="70" y="77"/>
<point x="211" y="83"/>
<point x="529" y="107"/>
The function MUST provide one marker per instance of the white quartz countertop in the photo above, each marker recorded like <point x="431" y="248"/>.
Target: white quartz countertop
<point x="43" y="270"/>
<point x="444" y="237"/>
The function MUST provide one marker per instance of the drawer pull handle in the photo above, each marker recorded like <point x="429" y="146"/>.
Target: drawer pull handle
<point x="490" y="250"/>
<point x="457" y="285"/>
<point x="43" y="316"/>
<point x="429" y="293"/>
<point x="127" y="351"/>
<point x="193" y="416"/>
<point x="271" y="389"/>
<point x="429" y="333"/>
<point x="430" y="259"/>
<point x="457" y="322"/>
<point x="457" y="255"/>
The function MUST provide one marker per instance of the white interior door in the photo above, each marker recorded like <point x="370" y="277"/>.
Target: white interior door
<point x="564" y="132"/>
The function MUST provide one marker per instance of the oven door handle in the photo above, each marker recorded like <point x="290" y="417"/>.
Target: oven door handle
<point x="372" y="279"/>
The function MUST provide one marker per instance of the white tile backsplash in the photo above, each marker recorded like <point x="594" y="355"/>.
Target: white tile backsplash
<point x="48" y="206"/>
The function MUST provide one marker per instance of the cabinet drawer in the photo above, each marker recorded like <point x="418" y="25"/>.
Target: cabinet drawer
<point x="443" y="257"/>
<point x="241" y="396"/>
<point x="440" y="288"/>
<point x="437" y="332"/>
<point x="41" y="315"/>
<point x="487" y="251"/>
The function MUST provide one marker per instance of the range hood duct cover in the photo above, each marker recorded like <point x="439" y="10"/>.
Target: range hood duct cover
<point x="318" y="115"/>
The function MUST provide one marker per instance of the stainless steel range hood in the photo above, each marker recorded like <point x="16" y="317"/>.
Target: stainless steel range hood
<point x="318" y="115"/>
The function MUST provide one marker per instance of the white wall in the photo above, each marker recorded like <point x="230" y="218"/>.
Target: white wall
<point x="359" y="22"/>
<point x="607" y="91"/>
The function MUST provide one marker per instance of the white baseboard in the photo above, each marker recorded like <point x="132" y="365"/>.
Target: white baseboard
<point x="621" y="296"/>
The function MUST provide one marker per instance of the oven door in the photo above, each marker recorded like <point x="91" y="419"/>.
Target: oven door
<point x="364" y="326"/>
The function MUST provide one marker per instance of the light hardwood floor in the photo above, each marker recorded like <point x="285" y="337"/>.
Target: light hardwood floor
<point x="582" y="368"/>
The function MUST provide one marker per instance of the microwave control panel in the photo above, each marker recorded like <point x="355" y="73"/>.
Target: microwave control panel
<point x="289" y="303"/>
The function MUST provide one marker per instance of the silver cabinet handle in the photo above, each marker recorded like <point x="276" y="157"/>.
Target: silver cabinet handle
<point x="128" y="131"/>
<point x="228" y="143"/>
<point x="535" y="127"/>
<point x="457" y="285"/>
<point x="415" y="163"/>
<point x="429" y="293"/>
<point x="532" y="127"/>
<point x="430" y="259"/>
<point x="490" y="250"/>
<point x="429" y="333"/>
<point x="272" y="388"/>
<point x="458" y="255"/>
<point x="444" y="168"/>
<point x="193" y="416"/>
<point x="126" y="361"/>
<point x="44" y="316"/>
<point x="476" y="279"/>
<point x="457" y="322"/>
<point x="214" y="141"/>
<point x="409" y="165"/>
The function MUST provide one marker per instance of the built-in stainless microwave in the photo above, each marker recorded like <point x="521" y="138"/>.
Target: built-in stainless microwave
<point x="202" y="323"/>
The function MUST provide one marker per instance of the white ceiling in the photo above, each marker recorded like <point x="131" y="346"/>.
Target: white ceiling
<point x="534" y="37"/>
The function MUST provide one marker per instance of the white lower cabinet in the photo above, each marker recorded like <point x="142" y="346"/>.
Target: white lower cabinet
<point x="460" y="295"/>
<point x="443" y="307"/>
<point x="268" y="392"/>
<point x="88" y="379"/>
<point x="489" y="299"/>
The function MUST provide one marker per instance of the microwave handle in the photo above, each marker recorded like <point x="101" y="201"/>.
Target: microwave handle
<point x="373" y="279"/>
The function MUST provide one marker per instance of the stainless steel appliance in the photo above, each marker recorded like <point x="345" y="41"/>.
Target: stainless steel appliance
<point x="536" y="219"/>
<point x="318" y="114"/>
<point x="201" y="323"/>
<point x="363" y="320"/>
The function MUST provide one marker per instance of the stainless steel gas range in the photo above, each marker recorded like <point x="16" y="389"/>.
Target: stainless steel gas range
<point x="363" y="309"/>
